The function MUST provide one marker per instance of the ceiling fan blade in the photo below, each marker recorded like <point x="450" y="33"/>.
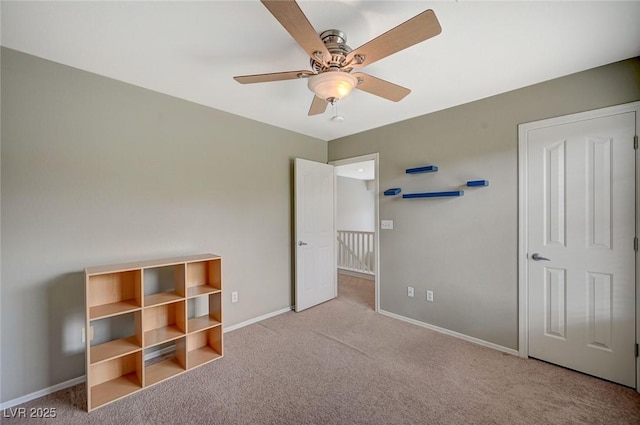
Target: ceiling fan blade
<point x="274" y="76"/>
<point x="417" y="29"/>
<point x="380" y="87"/>
<point x="318" y="106"/>
<point x="289" y="14"/>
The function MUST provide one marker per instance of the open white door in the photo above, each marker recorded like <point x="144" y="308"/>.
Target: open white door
<point x="315" y="234"/>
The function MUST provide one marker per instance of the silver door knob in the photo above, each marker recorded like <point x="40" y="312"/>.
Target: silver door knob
<point x="536" y="257"/>
<point x="300" y="243"/>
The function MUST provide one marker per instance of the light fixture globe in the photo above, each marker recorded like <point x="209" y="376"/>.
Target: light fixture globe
<point x="332" y="85"/>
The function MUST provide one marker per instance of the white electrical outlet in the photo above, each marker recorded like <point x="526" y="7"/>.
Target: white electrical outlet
<point x="234" y="297"/>
<point x="429" y="296"/>
<point x="410" y="291"/>
<point x="84" y="338"/>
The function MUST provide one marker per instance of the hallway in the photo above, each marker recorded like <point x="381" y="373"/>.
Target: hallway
<point x="357" y="290"/>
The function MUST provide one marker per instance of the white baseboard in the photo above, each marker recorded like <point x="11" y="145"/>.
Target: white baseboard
<point x="41" y="393"/>
<point x="353" y="273"/>
<point x="256" y="319"/>
<point x="75" y="381"/>
<point x="452" y="333"/>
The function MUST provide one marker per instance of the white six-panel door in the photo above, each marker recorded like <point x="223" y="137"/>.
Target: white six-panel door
<point x="315" y="233"/>
<point x="580" y="185"/>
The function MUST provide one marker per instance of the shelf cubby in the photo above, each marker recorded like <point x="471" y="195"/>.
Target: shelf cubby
<point x="166" y="365"/>
<point x="113" y="379"/>
<point x="204" y="346"/>
<point x="115" y="348"/>
<point x="164" y="285"/>
<point x="204" y="312"/>
<point x="204" y="277"/>
<point x="115" y="293"/>
<point x="164" y="323"/>
<point x="115" y="336"/>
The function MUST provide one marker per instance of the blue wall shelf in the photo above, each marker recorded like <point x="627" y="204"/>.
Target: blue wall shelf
<point x="444" y="194"/>
<point x="475" y="183"/>
<point x="425" y="169"/>
<point x="447" y="194"/>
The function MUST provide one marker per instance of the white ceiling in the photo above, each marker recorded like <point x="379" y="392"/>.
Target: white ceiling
<point x="358" y="170"/>
<point x="191" y="50"/>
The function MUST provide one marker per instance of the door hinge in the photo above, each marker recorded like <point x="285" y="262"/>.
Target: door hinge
<point x="635" y="244"/>
<point x="635" y="142"/>
<point x="636" y="350"/>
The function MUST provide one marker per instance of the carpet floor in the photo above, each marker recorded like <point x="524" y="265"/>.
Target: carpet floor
<point x="341" y="363"/>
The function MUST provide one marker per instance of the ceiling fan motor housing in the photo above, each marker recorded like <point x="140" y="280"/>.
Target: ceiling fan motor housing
<point x="335" y="41"/>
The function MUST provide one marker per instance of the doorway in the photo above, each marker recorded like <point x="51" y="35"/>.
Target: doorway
<point x="577" y="227"/>
<point x="356" y="223"/>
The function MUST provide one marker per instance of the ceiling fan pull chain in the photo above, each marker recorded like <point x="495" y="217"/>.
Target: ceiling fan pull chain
<point x="334" y="109"/>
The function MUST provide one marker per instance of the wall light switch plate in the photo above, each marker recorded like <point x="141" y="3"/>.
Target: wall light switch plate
<point x="386" y="224"/>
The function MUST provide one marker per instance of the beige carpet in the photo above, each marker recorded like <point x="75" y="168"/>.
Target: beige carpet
<point x="341" y="363"/>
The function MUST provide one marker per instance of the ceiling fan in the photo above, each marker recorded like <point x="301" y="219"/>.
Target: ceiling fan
<point x="332" y="61"/>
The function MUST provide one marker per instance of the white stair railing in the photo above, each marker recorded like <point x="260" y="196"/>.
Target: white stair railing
<point x="356" y="251"/>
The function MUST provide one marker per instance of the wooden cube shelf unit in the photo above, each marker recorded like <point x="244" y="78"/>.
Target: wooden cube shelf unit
<point x="182" y="324"/>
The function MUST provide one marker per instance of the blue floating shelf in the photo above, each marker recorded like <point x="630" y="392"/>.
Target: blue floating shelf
<point x="392" y="192"/>
<point x="448" y="194"/>
<point x="425" y="169"/>
<point x="472" y="183"/>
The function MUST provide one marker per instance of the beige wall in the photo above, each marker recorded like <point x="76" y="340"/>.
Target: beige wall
<point x="465" y="249"/>
<point x="356" y="205"/>
<point x="95" y="171"/>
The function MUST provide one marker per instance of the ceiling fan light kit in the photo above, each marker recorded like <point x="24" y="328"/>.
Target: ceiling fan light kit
<point x="332" y="61"/>
<point x="332" y="86"/>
